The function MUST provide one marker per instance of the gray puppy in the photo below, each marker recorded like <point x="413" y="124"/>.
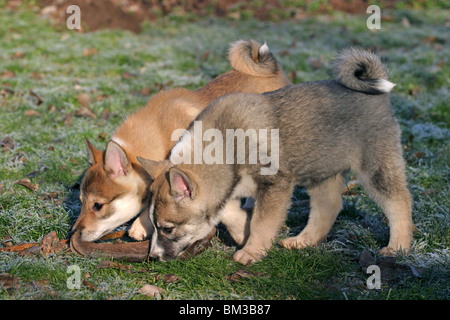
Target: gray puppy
<point x="318" y="131"/>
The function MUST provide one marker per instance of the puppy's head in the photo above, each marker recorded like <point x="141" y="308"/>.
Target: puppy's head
<point x="178" y="209"/>
<point x="112" y="192"/>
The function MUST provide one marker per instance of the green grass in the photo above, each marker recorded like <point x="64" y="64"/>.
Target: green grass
<point x="170" y="53"/>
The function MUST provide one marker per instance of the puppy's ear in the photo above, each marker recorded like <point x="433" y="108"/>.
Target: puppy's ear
<point x="116" y="160"/>
<point x="152" y="167"/>
<point x="181" y="184"/>
<point x="94" y="155"/>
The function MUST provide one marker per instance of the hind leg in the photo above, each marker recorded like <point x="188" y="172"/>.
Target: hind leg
<point x="326" y="203"/>
<point x="388" y="187"/>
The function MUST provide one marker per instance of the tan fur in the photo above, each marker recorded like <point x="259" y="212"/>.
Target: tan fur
<point x="147" y="133"/>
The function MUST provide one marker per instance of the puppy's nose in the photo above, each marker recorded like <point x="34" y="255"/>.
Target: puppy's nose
<point x="156" y="252"/>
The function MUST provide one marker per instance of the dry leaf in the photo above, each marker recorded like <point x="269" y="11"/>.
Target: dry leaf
<point x="7" y="241"/>
<point x="9" y="282"/>
<point x="105" y="264"/>
<point x="90" y="52"/>
<point x="171" y="278"/>
<point x="244" y="274"/>
<point x="146" y="91"/>
<point x="350" y="186"/>
<point x="84" y="99"/>
<point x="105" y="115"/>
<point x="32" y="113"/>
<point x="27" y="184"/>
<point x="8" y="74"/>
<point x="33" y="249"/>
<point x="150" y="290"/>
<point x="8" y="143"/>
<point x="36" y="97"/>
<point x="127" y="75"/>
<point x="19" y="247"/>
<point x="18" y="55"/>
<point x="68" y="120"/>
<point x="85" y="112"/>
<point x="37" y="76"/>
<point x="52" y="244"/>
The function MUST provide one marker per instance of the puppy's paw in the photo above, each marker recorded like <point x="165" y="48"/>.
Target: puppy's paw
<point x="293" y="243"/>
<point x="138" y="231"/>
<point x="390" y="252"/>
<point x="247" y="258"/>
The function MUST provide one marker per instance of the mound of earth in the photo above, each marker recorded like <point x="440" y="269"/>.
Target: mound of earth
<point x="129" y="14"/>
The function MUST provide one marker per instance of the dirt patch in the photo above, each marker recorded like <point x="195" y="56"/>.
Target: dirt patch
<point x="129" y="14"/>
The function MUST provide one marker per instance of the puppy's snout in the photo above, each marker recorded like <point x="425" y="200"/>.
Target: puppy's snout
<point x="156" y="252"/>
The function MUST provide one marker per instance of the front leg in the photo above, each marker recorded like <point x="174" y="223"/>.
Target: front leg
<point x="272" y="204"/>
<point x="236" y="220"/>
<point x="142" y="227"/>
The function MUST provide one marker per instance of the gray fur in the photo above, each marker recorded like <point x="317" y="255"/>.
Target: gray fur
<point x="325" y="129"/>
<point x="359" y="70"/>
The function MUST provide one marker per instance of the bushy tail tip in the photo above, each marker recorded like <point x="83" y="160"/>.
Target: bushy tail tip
<point x="361" y="70"/>
<point x="251" y="57"/>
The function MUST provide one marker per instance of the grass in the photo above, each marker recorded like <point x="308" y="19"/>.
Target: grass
<point x="170" y="53"/>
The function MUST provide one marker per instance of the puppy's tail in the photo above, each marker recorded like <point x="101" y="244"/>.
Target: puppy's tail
<point x="252" y="58"/>
<point x="361" y="70"/>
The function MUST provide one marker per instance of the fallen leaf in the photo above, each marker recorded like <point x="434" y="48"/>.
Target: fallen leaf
<point x="32" y="113"/>
<point x="146" y="91"/>
<point x="52" y="244"/>
<point x="244" y="274"/>
<point x="90" y="52"/>
<point x="6" y="92"/>
<point x="430" y="39"/>
<point x="27" y="184"/>
<point x="127" y="75"/>
<point x="37" y="76"/>
<point x="171" y="278"/>
<point x="419" y="154"/>
<point x="151" y="290"/>
<point x="90" y="285"/>
<point x="36" y="97"/>
<point x="68" y="120"/>
<point x="349" y="189"/>
<point x="8" y="74"/>
<point x="18" y="55"/>
<point x="105" y="115"/>
<point x="105" y="264"/>
<point x="84" y="99"/>
<point x="9" y="282"/>
<point x="7" y="241"/>
<point x="19" y="247"/>
<point x="85" y="112"/>
<point x="34" y="249"/>
<point x="48" y="196"/>
<point x="8" y="143"/>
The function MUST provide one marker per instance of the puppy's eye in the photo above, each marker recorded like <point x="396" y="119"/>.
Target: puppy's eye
<point x="98" y="206"/>
<point x="167" y="230"/>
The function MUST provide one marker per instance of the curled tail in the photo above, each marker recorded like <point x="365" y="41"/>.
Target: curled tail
<point x="361" y="70"/>
<point x="252" y="58"/>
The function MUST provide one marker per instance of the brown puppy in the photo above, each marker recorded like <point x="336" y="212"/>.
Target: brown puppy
<point x="115" y="187"/>
<point x="308" y="134"/>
